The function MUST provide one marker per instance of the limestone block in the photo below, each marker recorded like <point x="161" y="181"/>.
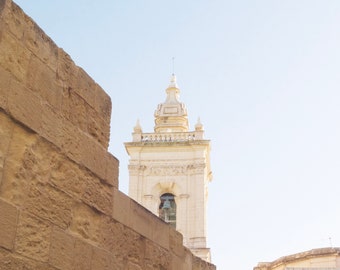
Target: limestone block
<point x="62" y="250"/>
<point x="51" y="124"/>
<point x="101" y="260"/>
<point x="2" y="6"/>
<point x="25" y="106"/>
<point x="156" y="257"/>
<point x="133" y="266"/>
<point x="67" y="176"/>
<point x="86" y="87"/>
<point x="17" y="167"/>
<point x="6" y="128"/>
<point x="93" y="156"/>
<point x="48" y="203"/>
<point x="108" y="235"/>
<point x="112" y="170"/>
<point x="69" y="141"/>
<point x="176" y="242"/>
<point x="121" y="207"/>
<point x="128" y="244"/>
<point x="86" y="222"/>
<point x="82" y="256"/>
<point x="77" y="110"/>
<point x="10" y="261"/>
<point x="40" y="44"/>
<point x="141" y="218"/>
<point x="33" y="238"/>
<point x="42" y="80"/>
<point x="8" y="224"/>
<point x="199" y="264"/>
<point x="102" y="104"/>
<point x="13" y="56"/>
<point x="98" y="195"/>
<point x="97" y="128"/>
<point x="160" y="233"/>
<point x="66" y="70"/>
<point x="15" y="19"/>
<point x="6" y="78"/>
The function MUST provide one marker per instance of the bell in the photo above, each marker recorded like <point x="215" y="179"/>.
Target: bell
<point x="166" y="205"/>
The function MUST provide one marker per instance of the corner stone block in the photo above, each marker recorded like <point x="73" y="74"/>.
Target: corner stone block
<point x="8" y="224"/>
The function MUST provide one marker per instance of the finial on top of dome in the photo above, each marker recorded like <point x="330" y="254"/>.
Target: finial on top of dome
<point x="173" y="81"/>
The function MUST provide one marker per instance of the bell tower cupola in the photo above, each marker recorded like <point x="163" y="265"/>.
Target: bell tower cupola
<point x="171" y="115"/>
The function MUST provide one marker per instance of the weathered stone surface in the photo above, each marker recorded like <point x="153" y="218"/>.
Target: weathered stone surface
<point x="112" y="170"/>
<point x="140" y="219"/>
<point x="8" y="224"/>
<point x="121" y="207"/>
<point x="175" y="241"/>
<point x="101" y="260"/>
<point x="25" y="106"/>
<point x="33" y="238"/>
<point x="13" y="56"/>
<point x="62" y="250"/>
<point x="41" y="79"/>
<point x="16" y="172"/>
<point x="102" y="104"/>
<point x="82" y="255"/>
<point x="51" y="204"/>
<point x="98" y="195"/>
<point x="10" y="261"/>
<point x="4" y="85"/>
<point x="6" y="129"/>
<point x="86" y="222"/>
<point x="156" y="257"/>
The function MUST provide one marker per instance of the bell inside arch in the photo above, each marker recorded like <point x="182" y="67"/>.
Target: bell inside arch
<point x="166" y="204"/>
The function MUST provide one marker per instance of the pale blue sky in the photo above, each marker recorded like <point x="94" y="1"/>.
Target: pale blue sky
<point x="263" y="76"/>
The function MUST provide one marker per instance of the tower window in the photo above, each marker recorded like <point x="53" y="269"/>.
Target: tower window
<point x="167" y="209"/>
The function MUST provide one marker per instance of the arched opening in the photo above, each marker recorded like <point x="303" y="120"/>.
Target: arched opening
<point x="167" y="209"/>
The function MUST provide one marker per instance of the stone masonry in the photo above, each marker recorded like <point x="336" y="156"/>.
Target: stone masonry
<point x="60" y="207"/>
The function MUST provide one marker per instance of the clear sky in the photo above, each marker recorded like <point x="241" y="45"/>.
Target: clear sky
<point x="263" y="76"/>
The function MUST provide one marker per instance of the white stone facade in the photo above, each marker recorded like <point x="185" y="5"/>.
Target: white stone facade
<point x="174" y="161"/>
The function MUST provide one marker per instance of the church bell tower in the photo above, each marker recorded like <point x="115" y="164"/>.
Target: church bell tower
<point x="170" y="170"/>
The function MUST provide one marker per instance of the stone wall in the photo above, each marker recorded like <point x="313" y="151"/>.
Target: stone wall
<point x="60" y="207"/>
